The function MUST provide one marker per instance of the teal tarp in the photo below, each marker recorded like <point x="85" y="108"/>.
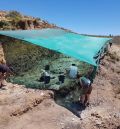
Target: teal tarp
<point x="78" y="46"/>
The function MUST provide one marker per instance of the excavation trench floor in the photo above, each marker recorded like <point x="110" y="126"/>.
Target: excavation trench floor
<point x="30" y="78"/>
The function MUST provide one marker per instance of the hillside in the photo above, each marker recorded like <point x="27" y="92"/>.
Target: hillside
<point x="13" y="20"/>
<point x="22" y="107"/>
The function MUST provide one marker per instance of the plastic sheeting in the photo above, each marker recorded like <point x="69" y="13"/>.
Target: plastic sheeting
<point x="78" y="46"/>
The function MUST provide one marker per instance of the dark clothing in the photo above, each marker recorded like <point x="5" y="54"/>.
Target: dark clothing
<point x="85" y="85"/>
<point x="41" y="79"/>
<point x="47" y="79"/>
<point x="110" y="44"/>
<point x="91" y="76"/>
<point x="85" y="82"/>
<point x="4" y="68"/>
<point x="61" y="78"/>
<point x="87" y="90"/>
<point x="47" y="67"/>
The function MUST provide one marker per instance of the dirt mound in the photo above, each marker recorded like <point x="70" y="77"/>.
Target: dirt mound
<point x="105" y="110"/>
<point x="25" y="108"/>
<point x="116" y="40"/>
<point x="16" y="100"/>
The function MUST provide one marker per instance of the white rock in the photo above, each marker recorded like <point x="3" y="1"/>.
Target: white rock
<point x="42" y="94"/>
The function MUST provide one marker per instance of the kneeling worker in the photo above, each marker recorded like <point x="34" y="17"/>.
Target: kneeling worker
<point x="45" y="77"/>
<point x="73" y="71"/>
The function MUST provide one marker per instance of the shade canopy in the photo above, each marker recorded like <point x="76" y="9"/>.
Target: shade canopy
<point x="78" y="46"/>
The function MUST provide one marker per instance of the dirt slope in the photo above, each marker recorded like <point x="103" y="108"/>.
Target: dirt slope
<point x="22" y="108"/>
<point x="104" y="111"/>
<point x="2" y="57"/>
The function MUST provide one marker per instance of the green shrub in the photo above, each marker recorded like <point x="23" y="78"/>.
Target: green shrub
<point x="4" y="23"/>
<point x="14" y="15"/>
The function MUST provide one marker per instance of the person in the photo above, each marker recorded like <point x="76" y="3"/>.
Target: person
<point x="5" y="71"/>
<point x="45" y="77"/>
<point x="110" y="43"/>
<point x="86" y="89"/>
<point x="61" y="77"/>
<point x="85" y="84"/>
<point x="73" y="71"/>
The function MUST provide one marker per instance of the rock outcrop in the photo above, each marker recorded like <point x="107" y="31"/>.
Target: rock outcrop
<point x="13" y="20"/>
<point x="17" y="53"/>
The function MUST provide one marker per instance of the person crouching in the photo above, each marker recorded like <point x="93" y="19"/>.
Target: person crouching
<point x="5" y="71"/>
<point x="86" y="89"/>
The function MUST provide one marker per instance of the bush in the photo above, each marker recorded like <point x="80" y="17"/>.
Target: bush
<point x="3" y="23"/>
<point x="14" y="15"/>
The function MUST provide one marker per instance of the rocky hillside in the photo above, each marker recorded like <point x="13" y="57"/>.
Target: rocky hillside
<point x="17" y="53"/>
<point x="13" y="20"/>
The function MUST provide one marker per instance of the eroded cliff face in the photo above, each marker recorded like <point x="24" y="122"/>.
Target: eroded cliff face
<point x="22" y="56"/>
<point x="2" y="57"/>
<point x="13" y="20"/>
<point x="18" y="54"/>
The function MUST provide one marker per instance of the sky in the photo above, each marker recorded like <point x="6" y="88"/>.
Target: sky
<point x="101" y="17"/>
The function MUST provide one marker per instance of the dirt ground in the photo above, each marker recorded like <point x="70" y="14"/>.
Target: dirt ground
<point x="23" y="108"/>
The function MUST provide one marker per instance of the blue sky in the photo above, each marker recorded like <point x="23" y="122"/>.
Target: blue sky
<point x="82" y="16"/>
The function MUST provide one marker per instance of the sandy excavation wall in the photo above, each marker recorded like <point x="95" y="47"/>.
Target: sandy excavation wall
<point x="23" y="56"/>
<point x="2" y="57"/>
<point x="116" y="40"/>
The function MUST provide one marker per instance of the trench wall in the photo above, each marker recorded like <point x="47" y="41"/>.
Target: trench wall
<point x="21" y="55"/>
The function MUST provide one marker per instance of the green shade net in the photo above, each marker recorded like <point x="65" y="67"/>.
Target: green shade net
<point x="78" y="46"/>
